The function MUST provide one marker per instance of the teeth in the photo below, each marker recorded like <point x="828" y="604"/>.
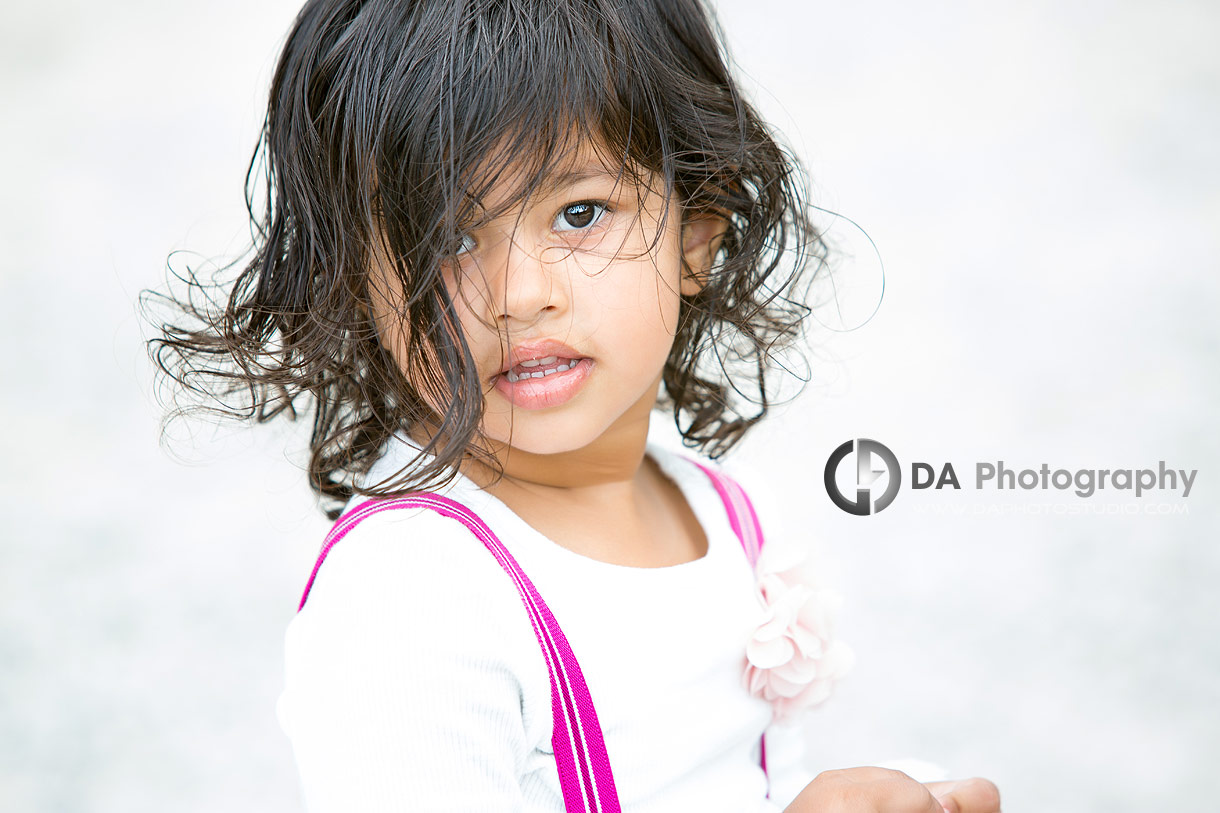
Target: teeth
<point x="536" y="362"/>
<point x="514" y="377"/>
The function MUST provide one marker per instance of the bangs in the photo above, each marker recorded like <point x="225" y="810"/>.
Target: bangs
<point x="499" y="95"/>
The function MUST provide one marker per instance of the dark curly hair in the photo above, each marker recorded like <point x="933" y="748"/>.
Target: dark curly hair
<point x="382" y="120"/>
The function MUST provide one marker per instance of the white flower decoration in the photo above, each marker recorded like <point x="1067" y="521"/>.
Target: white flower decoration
<point x="792" y="658"/>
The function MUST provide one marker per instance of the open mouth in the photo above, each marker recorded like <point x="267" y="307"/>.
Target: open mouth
<point x="544" y="382"/>
<point x="539" y="368"/>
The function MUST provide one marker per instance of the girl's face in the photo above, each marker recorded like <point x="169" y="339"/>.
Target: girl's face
<point x="569" y="304"/>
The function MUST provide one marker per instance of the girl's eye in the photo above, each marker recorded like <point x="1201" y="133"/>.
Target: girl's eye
<point x="465" y="244"/>
<point x="579" y="216"/>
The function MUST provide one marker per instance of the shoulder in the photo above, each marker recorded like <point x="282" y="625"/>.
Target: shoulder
<point x="401" y="559"/>
<point x="688" y="467"/>
<point x="410" y="582"/>
<point x="691" y="464"/>
<point x="412" y="675"/>
<point x="737" y="485"/>
<point x="411" y="598"/>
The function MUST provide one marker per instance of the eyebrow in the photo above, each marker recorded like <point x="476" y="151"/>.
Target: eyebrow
<point x="588" y="172"/>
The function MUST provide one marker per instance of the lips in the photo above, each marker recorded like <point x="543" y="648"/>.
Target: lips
<point x="543" y="374"/>
<point x="537" y="356"/>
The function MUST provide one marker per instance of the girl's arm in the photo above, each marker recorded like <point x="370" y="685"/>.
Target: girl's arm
<point x="401" y="688"/>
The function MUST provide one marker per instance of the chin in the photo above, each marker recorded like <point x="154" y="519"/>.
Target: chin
<point x="544" y="438"/>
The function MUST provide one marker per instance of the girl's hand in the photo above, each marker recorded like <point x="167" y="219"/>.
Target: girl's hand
<point x="879" y="790"/>
<point x="967" y="795"/>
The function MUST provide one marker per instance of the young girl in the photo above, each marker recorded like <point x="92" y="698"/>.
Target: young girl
<point x="500" y="234"/>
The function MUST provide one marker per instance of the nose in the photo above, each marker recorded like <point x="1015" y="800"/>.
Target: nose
<point x="533" y="283"/>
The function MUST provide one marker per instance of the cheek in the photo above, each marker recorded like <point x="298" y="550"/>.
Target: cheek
<point x="630" y="314"/>
<point x="391" y="330"/>
<point x="394" y="334"/>
<point x="474" y="300"/>
<point x="645" y="295"/>
<point x="632" y="285"/>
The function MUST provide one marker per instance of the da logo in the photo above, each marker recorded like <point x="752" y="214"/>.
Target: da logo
<point x="869" y="453"/>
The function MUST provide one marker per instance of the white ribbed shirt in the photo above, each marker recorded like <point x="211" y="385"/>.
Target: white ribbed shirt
<point x="414" y="680"/>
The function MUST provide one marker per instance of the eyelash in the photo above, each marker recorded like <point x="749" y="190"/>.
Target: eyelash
<point x="466" y="243"/>
<point x="600" y="210"/>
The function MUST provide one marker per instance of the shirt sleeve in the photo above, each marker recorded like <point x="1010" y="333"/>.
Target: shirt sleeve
<point x="402" y="689"/>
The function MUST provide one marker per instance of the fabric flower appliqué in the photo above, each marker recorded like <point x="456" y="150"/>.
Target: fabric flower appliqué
<point x="792" y="658"/>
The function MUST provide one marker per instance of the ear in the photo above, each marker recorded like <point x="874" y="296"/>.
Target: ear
<point x="701" y="238"/>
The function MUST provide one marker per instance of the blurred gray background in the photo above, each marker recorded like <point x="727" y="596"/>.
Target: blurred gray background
<point x="1042" y="182"/>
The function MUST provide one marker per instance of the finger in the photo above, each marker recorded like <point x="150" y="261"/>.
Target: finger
<point x="941" y="791"/>
<point x="975" y="795"/>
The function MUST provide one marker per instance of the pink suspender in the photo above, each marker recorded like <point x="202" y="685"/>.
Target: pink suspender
<point x="580" y="752"/>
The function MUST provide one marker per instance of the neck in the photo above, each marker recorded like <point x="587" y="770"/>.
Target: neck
<point x="614" y="457"/>
<point x="612" y="463"/>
